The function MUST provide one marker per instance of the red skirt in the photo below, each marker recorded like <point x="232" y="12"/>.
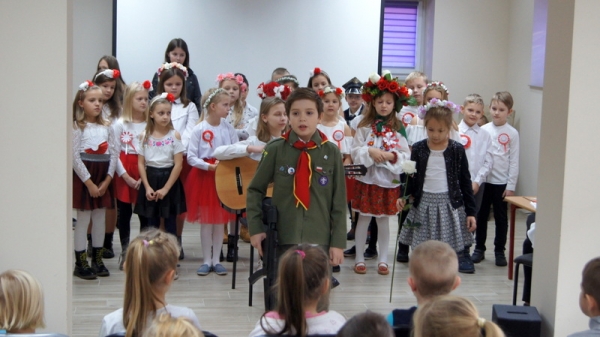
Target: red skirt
<point x="350" y="182"/>
<point x="203" y="205"/>
<point x="124" y="192"/>
<point x="81" y="195"/>
<point x="374" y="200"/>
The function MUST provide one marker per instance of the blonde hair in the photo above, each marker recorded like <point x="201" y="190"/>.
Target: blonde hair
<point x="504" y="97"/>
<point x="78" y="113"/>
<point x="215" y="99"/>
<point x="21" y="301"/>
<point x="448" y="316"/>
<point x="166" y="326"/>
<point x="262" y="129"/>
<point x="437" y="88"/>
<point x="416" y="74"/>
<point x="473" y="99"/>
<point x="130" y="92"/>
<point x="149" y="257"/>
<point x="150" y="121"/>
<point x="434" y="267"/>
<point x="238" y="107"/>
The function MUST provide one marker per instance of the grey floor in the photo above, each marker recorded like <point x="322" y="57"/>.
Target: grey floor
<point x="225" y="311"/>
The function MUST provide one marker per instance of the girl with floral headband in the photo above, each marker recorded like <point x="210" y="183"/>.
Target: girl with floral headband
<point x="444" y="206"/>
<point x="160" y="160"/>
<point x="177" y="51"/>
<point x="150" y="268"/>
<point x="238" y="117"/>
<point x="380" y="145"/>
<point x="203" y="203"/>
<point x="172" y="79"/>
<point x="128" y="130"/>
<point x="95" y="156"/>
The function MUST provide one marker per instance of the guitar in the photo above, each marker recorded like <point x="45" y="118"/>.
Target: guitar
<point x="233" y="176"/>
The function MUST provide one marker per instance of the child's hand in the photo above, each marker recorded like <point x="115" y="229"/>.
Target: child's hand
<point x="213" y="167"/>
<point x="103" y="187"/>
<point x="377" y="155"/>
<point x="255" y="148"/>
<point x="508" y="193"/>
<point x="400" y="203"/>
<point x="255" y="241"/>
<point x="130" y="181"/>
<point x="475" y="188"/>
<point x="160" y="194"/>
<point x="471" y="224"/>
<point x="150" y="194"/>
<point x="336" y="256"/>
<point x="348" y="161"/>
<point x="94" y="191"/>
<point x="137" y="184"/>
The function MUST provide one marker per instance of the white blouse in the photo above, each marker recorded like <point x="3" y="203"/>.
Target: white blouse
<point x="90" y="138"/>
<point x="239" y="149"/>
<point x="128" y="135"/>
<point x="240" y="128"/>
<point x="205" y="138"/>
<point x="478" y="147"/>
<point x="160" y="152"/>
<point x="336" y="135"/>
<point x="184" y="119"/>
<point x="436" y="179"/>
<point x="418" y="132"/>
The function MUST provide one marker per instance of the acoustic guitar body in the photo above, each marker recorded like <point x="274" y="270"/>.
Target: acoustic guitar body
<point x="232" y="178"/>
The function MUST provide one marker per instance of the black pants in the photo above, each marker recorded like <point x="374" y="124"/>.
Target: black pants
<point x="125" y="211"/>
<point x="492" y="195"/>
<point x="527" y="248"/>
<point x="170" y="224"/>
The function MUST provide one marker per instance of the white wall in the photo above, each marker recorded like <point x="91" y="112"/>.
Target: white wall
<point x="92" y="36"/>
<point x="36" y="174"/>
<point x="251" y="37"/>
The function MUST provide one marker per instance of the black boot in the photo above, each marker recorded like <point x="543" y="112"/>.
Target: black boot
<point x="181" y="255"/>
<point x="82" y="268"/>
<point x="97" y="263"/>
<point x="108" y="252"/>
<point x="402" y="253"/>
<point x="230" y="248"/>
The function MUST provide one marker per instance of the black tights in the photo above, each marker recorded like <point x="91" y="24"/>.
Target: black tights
<point x="125" y="211"/>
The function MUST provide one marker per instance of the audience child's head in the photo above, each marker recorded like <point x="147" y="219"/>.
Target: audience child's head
<point x="501" y="107"/>
<point x="166" y="326"/>
<point x="107" y="81"/>
<point x="433" y="269"/>
<point x="159" y="114"/>
<point x="353" y="93"/>
<point x="384" y="96"/>
<point x="171" y="79"/>
<point x="449" y="316"/>
<point x="289" y="80"/>
<point x="332" y="100"/>
<point x="435" y="90"/>
<point x="318" y="79"/>
<point x="366" y="324"/>
<point x="302" y="283"/>
<point x="177" y="51"/>
<point x="149" y="271"/>
<point x="482" y="121"/>
<point x="87" y="105"/>
<point x="136" y="100"/>
<point x="215" y="103"/>
<point x="472" y="109"/>
<point x="21" y="302"/>
<point x="243" y="93"/>
<point x="278" y="73"/>
<point x="416" y="81"/>
<point x="589" y="300"/>
<point x="304" y="108"/>
<point x="272" y="120"/>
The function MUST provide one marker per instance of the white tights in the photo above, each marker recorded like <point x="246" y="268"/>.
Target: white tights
<point x="383" y="226"/>
<point x="211" y="237"/>
<point x="98" y="225"/>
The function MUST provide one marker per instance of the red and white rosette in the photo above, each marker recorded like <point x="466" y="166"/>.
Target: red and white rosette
<point x="338" y="136"/>
<point x="504" y="139"/>
<point x="407" y="118"/>
<point x="208" y="137"/>
<point x="465" y="140"/>
<point x="127" y="139"/>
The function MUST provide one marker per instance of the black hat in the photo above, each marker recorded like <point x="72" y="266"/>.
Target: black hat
<point x="353" y="86"/>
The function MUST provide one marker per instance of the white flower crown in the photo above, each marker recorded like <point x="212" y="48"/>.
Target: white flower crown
<point x="438" y="84"/>
<point x="437" y="103"/>
<point x="86" y="85"/>
<point x="330" y="90"/>
<point x="211" y="96"/>
<point x="287" y="79"/>
<point x="168" y="66"/>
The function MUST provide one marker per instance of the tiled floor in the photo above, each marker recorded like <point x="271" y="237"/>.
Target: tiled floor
<point x="225" y="311"/>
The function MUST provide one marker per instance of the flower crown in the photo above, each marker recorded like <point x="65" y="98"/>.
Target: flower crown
<point x="211" y="96"/>
<point x="230" y="76"/>
<point x="315" y="72"/>
<point x="438" y="84"/>
<point x="110" y="73"/>
<point x="167" y="66"/>
<point x="376" y="85"/>
<point x="339" y="92"/>
<point x="273" y="89"/>
<point x="86" y="85"/>
<point x="147" y="85"/>
<point x="437" y="103"/>
<point x="287" y="79"/>
<point x="168" y="96"/>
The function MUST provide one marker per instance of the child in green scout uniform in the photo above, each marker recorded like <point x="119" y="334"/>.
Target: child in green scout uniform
<point x="309" y="189"/>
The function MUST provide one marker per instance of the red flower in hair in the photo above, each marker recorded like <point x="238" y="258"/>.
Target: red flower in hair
<point x="338" y="91"/>
<point x="116" y="73"/>
<point x="404" y="91"/>
<point x="366" y="97"/>
<point x="147" y="85"/>
<point x="382" y="84"/>
<point x="90" y="83"/>
<point x="393" y="86"/>
<point x="170" y="98"/>
<point x="321" y="93"/>
<point x="317" y="71"/>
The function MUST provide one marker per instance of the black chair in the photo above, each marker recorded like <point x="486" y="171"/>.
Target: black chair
<point x="525" y="260"/>
<point x="402" y="330"/>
